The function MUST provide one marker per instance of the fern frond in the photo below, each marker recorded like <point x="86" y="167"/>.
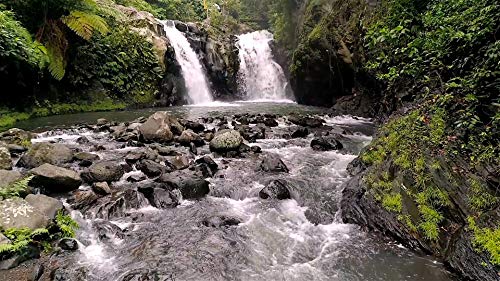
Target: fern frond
<point x="39" y="231"/>
<point x="56" y="44"/>
<point x="85" y="24"/>
<point x="66" y="224"/>
<point x="16" y="188"/>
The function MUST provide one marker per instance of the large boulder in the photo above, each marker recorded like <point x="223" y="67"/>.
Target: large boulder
<point x="306" y="121"/>
<point x="18" y="213"/>
<point x="160" y="127"/>
<point x="188" y="136"/>
<point x="226" y="140"/>
<point x="191" y="185"/>
<point x="105" y="171"/>
<point x="276" y="189"/>
<point x="326" y="143"/>
<point x="273" y="163"/>
<point x="8" y="177"/>
<point x="55" y="179"/>
<point x="46" y="205"/>
<point x="41" y="153"/>
<point x="151" y="168"/>
<point x="5" y="161"/>
<point x="16" y="136"/>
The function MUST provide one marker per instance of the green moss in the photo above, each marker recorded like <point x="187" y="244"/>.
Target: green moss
<point x="393" y="202"/>
<point x="430" y="220"/>
<point x="480" y="199"/>
<point x="486" y="239"/>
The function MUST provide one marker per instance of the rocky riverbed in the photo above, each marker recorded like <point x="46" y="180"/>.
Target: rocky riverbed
<point x="238" y="196"/>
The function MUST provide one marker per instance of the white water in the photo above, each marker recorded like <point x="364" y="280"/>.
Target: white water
<point x="260" y="77"/>
<point x="192" y="71"/>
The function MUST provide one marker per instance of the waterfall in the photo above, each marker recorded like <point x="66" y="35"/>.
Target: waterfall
<point x="260" y="77"/>
<point x="192" y="71"/>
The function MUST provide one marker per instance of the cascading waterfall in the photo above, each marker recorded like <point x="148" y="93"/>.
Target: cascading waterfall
<point x="260" y="77"/>
<point x="192" y="71"/>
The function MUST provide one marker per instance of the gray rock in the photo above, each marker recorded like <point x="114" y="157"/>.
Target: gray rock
<point x="326" y="143"/>
<point x="300" y="132"/>
<point x="41" y="153"/>
<point x="18" y="213"/>
<point x="101" y="122"/>
<point x="3" y="239"/>
<point x="68" y="244"/>
<point x="160" y="127"/>
<point x="178" y="162"/>
<point x="221" y="221"/>
<point x="107" y="171"/>
<point x="16" y="136"/>
<point x="191" y="185"/>
<point x="46" y="205"/>
<point x="226" y="140"/>
<point x="151" y="168"/>
<point x="5" y="160"/>
<point x="8" y="177"/>
<point x="55" y="179"/>
<point x="86" y="156"/>
<point x="101" y="188"/>
<point x="273" y="163"/>
<point x="188" y="136"/>
<point x="276" y="189"/>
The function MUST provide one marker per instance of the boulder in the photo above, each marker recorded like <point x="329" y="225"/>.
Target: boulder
<point x="101" y="188"/>
<point x="55" y="179"/>
<point x="46" y="205"/>
<point x="270" y="122"/>
<point x="160" y="127"/>
<point x="252" y="134"/>
<point x="162" y="198"/>
<point x="194" y="126"/>
<point x="178" y="162"/>
<point x="16" y="136"/>
<point x="107" y="171"/>
<point x="207" y="160"/>
<point x="8" y="177"/>
<point x="136" y="178"/>
<point x="68" y="244"/>
<point x="326" y="143"/>
<point x="86" y="158"/>
<point x="300" y="132"/>
<point x="101" y="122"/>
<point x="119" y="204"/>
<point x="276" y="189"/>
<point x="151" y="168"/>
<point x="221" y="221"/>
<point x="190" y="184"/>
<point x="18" y="213"/>
<point x="273" y="163"/>
<point x="306" y="121"/>
<point x="188" y="136"/>
<point x="5" y="160"/>
<point x="41" y="153"/>
<point x="226" y="140"/>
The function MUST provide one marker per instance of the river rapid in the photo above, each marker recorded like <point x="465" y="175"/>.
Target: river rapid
<point x="232" y="233"/>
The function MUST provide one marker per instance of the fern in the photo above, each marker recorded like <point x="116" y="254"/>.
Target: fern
<point x="85" y="24"/>
<point x="15" y="189"/>
<point x="66" y="224"/>
<point x="56" y="45"/>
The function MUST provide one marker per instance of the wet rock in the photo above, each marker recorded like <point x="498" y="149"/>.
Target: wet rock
<point x="191" y="185"/>
<point x="167" y="151"/>
<point x="160" y="127"/>
<point x="226" y="140"/>
<point x="151" y="168"/>
<point x="119" y="204"/>
<point x="45" y="205"/>
<point x="101" y="122"/>
<point x="161" y="198"/>
<point x="209" y="162"/>
<point x="178" y="162"/>
<point x="30" y="252"/>
<point x="136" y="178"/>
<point x="270" y="122"/>
<point x="300" y="132"/>
<point x="106" y="230"/>
<point x="37" y="272"/>
<point x="16" y="149"/>
<point x="101" y="188"/>
<point x="193" y="149"/>
<point x="220" y="221"/>
<point x="208" y="136"/>
<point x="326" y="143"/>
<point x="356" y="166"/>
<point x="273" y="163"/>
<point x="107" y="171"/>
<point x="4" y="240"/>
<point x="18" y="213"/>
<point x="134" y="156"/>
<point x="86" y="158"/>
<point x="55" y="179"/>
<point x="8" y="177"/>
<point x="82" y="140"/>
<point x="50" y="153"/>
<point x="68" y="244"/>
<point x="81" y="200"/>
<point x="252" y="134"/>
<point x="256" y="149"/>
<point x="194" y="126"/>
<point x="306" y="121"/>
<point x="5" y="160"/>
<point x="188" y="136"/>
<point x="16" y="136"/>
<point x="276" y="189"/>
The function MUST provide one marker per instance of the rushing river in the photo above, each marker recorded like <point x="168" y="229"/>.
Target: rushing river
<point x="275" y="240"/>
